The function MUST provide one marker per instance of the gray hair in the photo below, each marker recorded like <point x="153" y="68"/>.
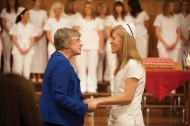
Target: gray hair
<point x="62" y="38"/>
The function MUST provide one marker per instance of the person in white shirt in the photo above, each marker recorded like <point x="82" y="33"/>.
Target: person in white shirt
<point x="55" y="22"/>
<point x="92" y="39"/>
<point x="40" y="56"/>
<point x="71" y="14"/>
<point x="8" y="16"/>
<point x="129" y="80"/>
<point x="141" y="21"/>
<point x="119" y="17"/>
<point x="23" y="35"/>
<point x="184" y="19"/>
<point x="167" y="29"/>
<point x="101" y="16"/>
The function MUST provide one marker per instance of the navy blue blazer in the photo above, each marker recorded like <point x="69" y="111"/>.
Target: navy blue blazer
<point x="62" y="101"/>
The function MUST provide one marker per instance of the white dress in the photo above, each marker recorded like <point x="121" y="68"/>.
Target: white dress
<point x="10" y="20"/>
<point x="112" y="22"/>
<point x="40" y="56"/>
<point x="52" y="25"/>
<point x="142" y="33"/>
<point x="128" y="115"/>
<point x="168" y="27"/>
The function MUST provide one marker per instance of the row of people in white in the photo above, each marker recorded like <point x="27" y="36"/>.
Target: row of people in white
<point x="52" y="24"/>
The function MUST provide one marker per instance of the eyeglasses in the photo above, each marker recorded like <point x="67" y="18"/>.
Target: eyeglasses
<point x="76" y="39"/>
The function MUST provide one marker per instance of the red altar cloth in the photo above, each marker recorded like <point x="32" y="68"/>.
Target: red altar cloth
<point x="161" y="82"/>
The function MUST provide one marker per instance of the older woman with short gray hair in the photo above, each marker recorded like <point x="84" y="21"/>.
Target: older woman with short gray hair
<point x="61" y="101"/>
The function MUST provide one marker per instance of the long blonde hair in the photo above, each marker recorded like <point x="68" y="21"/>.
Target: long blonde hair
<point x="55" y="6"/>
<point x="128" y="48"/>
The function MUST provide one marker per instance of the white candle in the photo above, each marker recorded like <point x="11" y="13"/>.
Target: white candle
<point x="187" y="61"/>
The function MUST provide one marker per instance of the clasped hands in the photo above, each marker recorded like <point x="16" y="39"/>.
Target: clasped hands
<point x="92" y="104"/>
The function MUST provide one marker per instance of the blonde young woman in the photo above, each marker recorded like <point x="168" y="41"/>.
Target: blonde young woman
<point x="8" y="16"/>
<point x="92" y="39"/>
<point x="39" y="61"/>
<point x="54" y="23"/>
<point x="129" y="79"/>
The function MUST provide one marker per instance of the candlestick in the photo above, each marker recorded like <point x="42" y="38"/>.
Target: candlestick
<point x="187" y="61"/>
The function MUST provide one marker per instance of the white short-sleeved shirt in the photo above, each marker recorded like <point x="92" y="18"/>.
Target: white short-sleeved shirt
<point x="103" y="23"/>
<point x="41" y="15"/>
<point x="52" y="25"/>
<point x="10" y="17"/>
<point x="112" y="22"/>
<point x="72" y="18"/>
<point x="139" y="23"/>
<point x="89" y="33"/>
<point x="184" y="24"/>
<point x="24" y="35"/>
<point x="132" y="70"/>
<point x="168" y="27"/>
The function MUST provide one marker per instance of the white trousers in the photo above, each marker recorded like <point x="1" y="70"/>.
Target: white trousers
<point x="22" y="64"/>
<point x="7" y="56"/>
<point x="111" y="63"/>
<point x="87" y="70"/>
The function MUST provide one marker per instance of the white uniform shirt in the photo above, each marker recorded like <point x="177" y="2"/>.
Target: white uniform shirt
<point x="139" y="23"/>
<point x="10" y="17"/>
<point x="112" y="22"/>
<point x="38" y="19"/>
<point x="184" y="24"/>
<point x="103" y="23"/>
<point x="52" y="25"/>
<point x="24" y="35"/>
<point x="89" y="33"/>
<point x="168" y="27"/>
<point x="132" y="112"/>
<point x="72" y="18"/>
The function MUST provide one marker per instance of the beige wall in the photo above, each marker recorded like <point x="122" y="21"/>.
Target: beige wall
<point x="152" y="7"/>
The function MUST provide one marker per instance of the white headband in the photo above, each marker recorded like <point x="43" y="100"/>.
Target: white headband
<point x="20" y="10"/>
<point x="130" y="28"/>
<point x="119" y="0"/>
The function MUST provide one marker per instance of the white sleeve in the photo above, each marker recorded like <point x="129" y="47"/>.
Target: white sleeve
<point x="135" y="69"/>
<point x="100" y="25"/>
<point x="3" y="13"/>
<point x="45" y="17"/>
<point x="13" y="30"/>
<point x="146" y="17"/>
<point x="157" y="21"/>
<point x="47" y="25"/>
